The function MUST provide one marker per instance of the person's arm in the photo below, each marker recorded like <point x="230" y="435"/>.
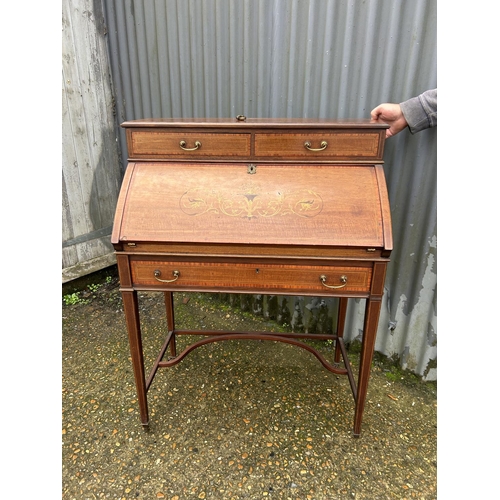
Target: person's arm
<point x="417" y="113"/>
<point x="421" y="112"/>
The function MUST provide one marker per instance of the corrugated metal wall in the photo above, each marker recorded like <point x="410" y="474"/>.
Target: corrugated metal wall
<point x="302" y="58"/>
<point x="91" y="171"/>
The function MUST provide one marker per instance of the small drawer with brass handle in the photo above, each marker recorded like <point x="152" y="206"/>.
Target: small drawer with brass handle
<point x="159" y="144"/>
<point x="325" y="145"/>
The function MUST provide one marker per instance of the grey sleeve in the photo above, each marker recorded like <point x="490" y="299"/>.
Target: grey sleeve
<point x="421" y="112"/>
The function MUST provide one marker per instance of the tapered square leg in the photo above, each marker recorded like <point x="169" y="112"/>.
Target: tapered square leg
<point x="169" y="307"/>
<point x="131" y="308"/>
<point x="367" y="347"/>
<point x="340" y="325"/>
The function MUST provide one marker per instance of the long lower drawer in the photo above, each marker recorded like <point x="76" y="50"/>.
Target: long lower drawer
<point x="250" y="277"/>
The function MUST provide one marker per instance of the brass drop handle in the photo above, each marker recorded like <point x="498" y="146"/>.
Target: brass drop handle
<point x="343" y="279"/>
<point x="323" y="145"/>
<point x="197" y="145"/>
<point x="176" y="275"/>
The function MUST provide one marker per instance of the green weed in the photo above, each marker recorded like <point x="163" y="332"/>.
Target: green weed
<point x="72" y="299"/>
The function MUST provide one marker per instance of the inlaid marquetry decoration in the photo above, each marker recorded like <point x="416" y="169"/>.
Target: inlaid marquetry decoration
<point x="251" y="202"/>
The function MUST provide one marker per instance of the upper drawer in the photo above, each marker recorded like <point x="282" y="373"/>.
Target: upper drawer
<point x="317" y="145"/>
<point x="156" y="144"/>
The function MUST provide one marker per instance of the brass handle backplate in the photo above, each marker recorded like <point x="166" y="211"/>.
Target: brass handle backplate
<point x="197" y="145"/>
<point x="343" y="279"/>
<point x="157" y="275"/>
<point x="323" y="145"/>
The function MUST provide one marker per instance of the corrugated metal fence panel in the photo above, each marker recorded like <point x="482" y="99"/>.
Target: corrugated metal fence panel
<point x="90" y="154"/>
<point x="302" y="58"/>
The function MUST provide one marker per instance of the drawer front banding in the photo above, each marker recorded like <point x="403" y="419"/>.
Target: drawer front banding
<point x="252" y="277"/>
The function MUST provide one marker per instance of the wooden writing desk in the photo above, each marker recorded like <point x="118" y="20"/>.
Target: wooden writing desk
<point x="259" y="206"/>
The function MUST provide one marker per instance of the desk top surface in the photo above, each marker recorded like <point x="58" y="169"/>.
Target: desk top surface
<point x="255" y="122"/>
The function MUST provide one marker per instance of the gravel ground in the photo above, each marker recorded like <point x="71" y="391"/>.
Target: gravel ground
<point x="234" y="420"/>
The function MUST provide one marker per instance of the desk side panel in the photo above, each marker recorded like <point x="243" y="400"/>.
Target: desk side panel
<point x="120" y="206"/>
<point x="385" y="208"/>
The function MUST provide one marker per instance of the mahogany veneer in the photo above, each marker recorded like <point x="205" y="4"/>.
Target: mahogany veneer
<point x="278" y="206"/>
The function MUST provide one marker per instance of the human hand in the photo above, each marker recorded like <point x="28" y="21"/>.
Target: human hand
<point x="392" y="115"/>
